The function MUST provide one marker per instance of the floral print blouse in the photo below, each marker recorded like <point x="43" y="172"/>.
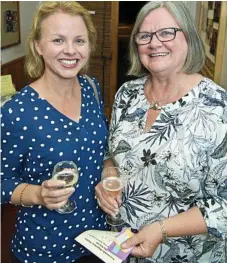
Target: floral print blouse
<point x="181" y="162"/>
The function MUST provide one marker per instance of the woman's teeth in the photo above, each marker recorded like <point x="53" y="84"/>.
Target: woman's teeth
<point x="68" y="62"/>
<point x="159" y="54"/>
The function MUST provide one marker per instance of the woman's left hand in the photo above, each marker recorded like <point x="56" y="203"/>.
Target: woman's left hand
<point x="145" y="241"/>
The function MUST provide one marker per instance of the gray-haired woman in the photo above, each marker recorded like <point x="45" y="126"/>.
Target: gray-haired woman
<point x="168" y="133"/>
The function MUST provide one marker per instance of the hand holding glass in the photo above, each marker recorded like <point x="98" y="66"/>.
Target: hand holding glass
<point x="68" y="172"/>
<point x="113" y="184"/>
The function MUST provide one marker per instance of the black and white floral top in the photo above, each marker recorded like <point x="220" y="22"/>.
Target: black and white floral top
<point x="180" y="163"/>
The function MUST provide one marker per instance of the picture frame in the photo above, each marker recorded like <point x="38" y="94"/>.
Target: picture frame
<point x="10" y="24"/>
<point x="212" y="27"/>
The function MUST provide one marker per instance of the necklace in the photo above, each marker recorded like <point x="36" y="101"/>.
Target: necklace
<point x="156" y="104"/>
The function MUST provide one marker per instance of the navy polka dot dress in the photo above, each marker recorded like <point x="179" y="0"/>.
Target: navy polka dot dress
<point x="35" y="136"/>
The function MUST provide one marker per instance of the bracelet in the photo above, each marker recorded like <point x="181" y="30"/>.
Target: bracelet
<point x="164" y="234"/>
<point x="21" y="196"/>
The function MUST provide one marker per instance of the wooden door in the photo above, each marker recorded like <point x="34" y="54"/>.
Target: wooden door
<point x="103" y="63"/>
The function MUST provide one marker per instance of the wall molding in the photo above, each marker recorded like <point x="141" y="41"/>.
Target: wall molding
<point x="15" y="68"/>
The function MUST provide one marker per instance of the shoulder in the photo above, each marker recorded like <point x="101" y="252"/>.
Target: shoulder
<point x="214" y="100"/>
<point x="131" y="86"/>
<point x="87" y="79"/>
<point x="20" y="97"/>
<point x="209" y="88"/>
<point x="19" y="105"/>
<point x="134" y="83"/>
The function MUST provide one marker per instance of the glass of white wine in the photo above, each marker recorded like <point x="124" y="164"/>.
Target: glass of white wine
<point x="68" y="172"/>
<point x="112" y="182"/>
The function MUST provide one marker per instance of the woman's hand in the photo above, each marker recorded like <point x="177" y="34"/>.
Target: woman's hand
<point x="52" y="195"/>
<point x="145" y="241"/>
<point x="108" y="203"/>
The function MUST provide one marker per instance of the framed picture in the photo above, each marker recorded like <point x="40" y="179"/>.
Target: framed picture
<point x="212" y="26"/>
<point x="10" y="24"/>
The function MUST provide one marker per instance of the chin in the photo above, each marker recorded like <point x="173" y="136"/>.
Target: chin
<point x="68" y="74"/>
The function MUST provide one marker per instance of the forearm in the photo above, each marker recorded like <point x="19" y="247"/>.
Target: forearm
<point x="30" y="195"/>
<point x="188" y="223"/>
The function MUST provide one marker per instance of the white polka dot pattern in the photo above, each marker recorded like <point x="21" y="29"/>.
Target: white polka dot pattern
<point x="35" y="136"/>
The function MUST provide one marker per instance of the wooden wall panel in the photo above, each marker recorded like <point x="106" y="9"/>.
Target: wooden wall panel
<point x="15" y="68"/>
<point x="8" y="220"/>
<point x="103" y="63"/>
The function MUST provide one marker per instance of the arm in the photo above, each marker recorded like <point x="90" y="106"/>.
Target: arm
<point x="109" y="204"/>
<point x="209" y="213"/>
<point x="147" y="240"/>
<point x="14" y="154"/>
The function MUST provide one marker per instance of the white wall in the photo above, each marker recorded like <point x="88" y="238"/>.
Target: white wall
<point x="27" y="10"/>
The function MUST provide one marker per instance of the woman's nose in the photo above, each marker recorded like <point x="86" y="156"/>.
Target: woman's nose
<point x="70" y="48"/>
<point x="154" y="42"/>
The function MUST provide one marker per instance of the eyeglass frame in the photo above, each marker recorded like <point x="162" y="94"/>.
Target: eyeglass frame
<point x="154" y="33"/>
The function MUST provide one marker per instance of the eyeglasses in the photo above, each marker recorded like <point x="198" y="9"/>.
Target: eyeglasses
<point x="163" y="35"/>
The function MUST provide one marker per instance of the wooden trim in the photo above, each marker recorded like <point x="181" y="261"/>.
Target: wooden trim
<point x="12" y="62"/>
<point x="15" y="68"/>
<point x="114" y="52"/>
<point x="221" y="43"/>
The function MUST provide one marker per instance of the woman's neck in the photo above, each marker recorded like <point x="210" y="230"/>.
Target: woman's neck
<point x="164" y="90"/>
<point x="159" y="87"/>
<point x="53" y="86"/>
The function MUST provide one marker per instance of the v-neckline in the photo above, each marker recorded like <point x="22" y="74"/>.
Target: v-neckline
<point x="55" y="109"/>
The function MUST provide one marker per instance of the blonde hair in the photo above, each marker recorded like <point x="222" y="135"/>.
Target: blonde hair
<point x="196" y="55"/>
<point x="34" y="63"/>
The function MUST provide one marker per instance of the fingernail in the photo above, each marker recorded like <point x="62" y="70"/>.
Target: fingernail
<point x="116" y="211"/>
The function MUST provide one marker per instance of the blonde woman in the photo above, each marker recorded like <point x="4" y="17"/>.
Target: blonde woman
<point x="55" y="118"/>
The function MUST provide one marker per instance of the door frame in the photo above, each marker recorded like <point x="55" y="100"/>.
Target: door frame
<point x="114" y="57"/>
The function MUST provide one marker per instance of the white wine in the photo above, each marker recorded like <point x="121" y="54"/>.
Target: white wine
<point x="113" y="185"/>
<point x="67" y="175"/>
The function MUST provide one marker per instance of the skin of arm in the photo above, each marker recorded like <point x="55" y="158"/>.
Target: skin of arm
<point x="188" y="223"/>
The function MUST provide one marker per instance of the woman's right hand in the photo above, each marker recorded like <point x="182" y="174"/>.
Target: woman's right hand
<point x="109" y="204"/>
<point x="52" y="195"/>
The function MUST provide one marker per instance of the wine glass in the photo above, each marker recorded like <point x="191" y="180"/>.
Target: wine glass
<point x="68" y="172"/>
<point x="113" y="183"/>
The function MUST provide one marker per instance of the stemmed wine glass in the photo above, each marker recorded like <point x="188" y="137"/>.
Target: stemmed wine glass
<point x="68" y="172"/>
<point x="113" y="183"/>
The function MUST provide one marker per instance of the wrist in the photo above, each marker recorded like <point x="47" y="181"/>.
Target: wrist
<point x="156" y="231"/>
<point x="37" y="199"/>
<point x="23" y="195"/>
<point x="162" y="228"/>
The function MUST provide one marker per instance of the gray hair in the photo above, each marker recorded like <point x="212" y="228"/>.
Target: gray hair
<point x="196" y="55"/>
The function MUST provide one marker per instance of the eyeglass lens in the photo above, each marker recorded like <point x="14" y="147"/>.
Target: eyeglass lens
<point x="163" y="35"/>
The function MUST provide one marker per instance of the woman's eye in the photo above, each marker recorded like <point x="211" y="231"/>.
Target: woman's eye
<point x="166" y="33"/>
<point x="58" y="40"/>
<point x="144" y="36"/>
<point x="80" y="41"/>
